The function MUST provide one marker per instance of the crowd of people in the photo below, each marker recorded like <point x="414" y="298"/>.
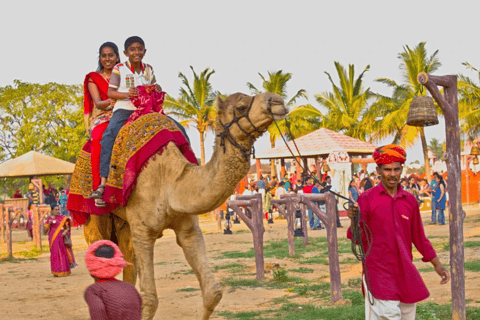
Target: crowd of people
<point x="271" y="188"/>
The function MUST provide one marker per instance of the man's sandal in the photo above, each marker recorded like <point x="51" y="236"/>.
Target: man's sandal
<point x="97" y="194"/>
<point x="99" y="203"/>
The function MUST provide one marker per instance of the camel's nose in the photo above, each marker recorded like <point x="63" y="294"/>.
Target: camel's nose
<point x="275" y="106"/>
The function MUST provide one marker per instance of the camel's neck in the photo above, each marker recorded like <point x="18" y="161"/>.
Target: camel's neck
<point x="207" y="187"/>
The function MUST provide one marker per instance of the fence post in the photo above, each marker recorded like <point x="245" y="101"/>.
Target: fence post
<point x="9" y="221"/>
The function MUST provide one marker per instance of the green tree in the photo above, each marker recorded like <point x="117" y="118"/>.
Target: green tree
<point x="436" y="147"/>
<point x="393" y="111"/>
<point x="347" y="104"/>
<point x="41" y="116"/>
<point x="303" y="119"/>
<point x="195" y="105"/>
<point x="469" y="102"/>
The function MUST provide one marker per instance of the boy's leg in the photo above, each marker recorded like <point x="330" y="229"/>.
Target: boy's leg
<point x="434" y="211"/>
<point x="441" y="216"/>
<point x="118" y="119"/>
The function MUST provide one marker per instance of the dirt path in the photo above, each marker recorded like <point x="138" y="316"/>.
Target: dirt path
<point x="29" y="291"/>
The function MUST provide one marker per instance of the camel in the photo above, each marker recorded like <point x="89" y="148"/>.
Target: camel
<point x="171" y="193"/>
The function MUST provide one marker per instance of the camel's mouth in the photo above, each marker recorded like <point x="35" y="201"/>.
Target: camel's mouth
<point x="279" y="116"/>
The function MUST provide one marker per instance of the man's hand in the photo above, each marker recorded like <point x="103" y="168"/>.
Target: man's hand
<point x="352" y="211"/>
<point x="440" y="269"/>
<point x="132" y="92"/>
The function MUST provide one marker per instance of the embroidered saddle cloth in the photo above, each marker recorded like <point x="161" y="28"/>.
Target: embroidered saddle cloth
<point x="136" y="143"/>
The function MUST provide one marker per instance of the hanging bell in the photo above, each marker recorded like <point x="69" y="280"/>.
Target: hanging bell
<point x="474" y="151"/>
<point x="325" y="167"/>
<point x="475" y="160"/>
<point x="422" y="112"/>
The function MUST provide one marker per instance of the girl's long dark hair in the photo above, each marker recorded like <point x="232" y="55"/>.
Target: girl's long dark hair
<point x="111" y="45"/>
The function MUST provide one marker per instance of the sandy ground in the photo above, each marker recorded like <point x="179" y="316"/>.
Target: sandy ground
<point x="29" y="291"/>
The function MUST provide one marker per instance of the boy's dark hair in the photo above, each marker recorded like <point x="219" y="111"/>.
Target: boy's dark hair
<point x="112" y="46"/>
<point x="132" y="40"/>
<point x="104" y="251"/>
<point x="327" y="177"/>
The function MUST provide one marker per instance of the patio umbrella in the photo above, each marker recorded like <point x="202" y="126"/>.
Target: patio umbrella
<point x="35" y="164"/>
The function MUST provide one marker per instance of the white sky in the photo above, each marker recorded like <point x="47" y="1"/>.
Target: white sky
<point x="58" y="41"/>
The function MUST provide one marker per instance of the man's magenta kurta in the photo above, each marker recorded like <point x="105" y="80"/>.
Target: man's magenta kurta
<point x="395" y="223"/>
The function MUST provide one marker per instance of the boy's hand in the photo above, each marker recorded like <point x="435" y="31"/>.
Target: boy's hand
<point x="158" y="87"/>
<point x="132" y="92"/>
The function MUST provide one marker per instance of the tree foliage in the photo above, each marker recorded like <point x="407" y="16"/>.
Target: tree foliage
<point x="302" y="119"/>
<point x="41" y="116"/>
<point x="347" y="103"/>
<point x="436" y="147"/>
<point x="469" y="102"/>
<point x="195" y="105"/>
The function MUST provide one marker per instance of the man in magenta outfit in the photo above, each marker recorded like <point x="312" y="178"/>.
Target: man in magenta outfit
<point x="394" y="219"/>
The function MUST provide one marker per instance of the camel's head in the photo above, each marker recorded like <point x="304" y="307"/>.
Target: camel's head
<point x="246" y="116"/>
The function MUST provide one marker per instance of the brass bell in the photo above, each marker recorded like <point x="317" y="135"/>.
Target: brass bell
<point x="422" y="112"/>
<point x="474" y="151"/>
<point x="325" y="167"/>
<point x="475" y="160"/>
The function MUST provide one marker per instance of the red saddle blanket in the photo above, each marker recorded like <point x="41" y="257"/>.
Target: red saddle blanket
<point x="136" y="143"/>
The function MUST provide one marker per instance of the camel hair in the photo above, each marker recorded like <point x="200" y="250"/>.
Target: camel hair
<point x="171" y="193"/>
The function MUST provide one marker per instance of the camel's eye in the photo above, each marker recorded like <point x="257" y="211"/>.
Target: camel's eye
<point x="242" y="108"/>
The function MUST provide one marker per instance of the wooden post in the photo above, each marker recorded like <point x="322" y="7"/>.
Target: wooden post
<point x="319" y="168"/>
<point x="329" y="219"/>
<point x="38" y="183"/>
<point x="282" y="169"/>
<point x="255" y="224"/>
<point x="258" y="168"/>
<point x="290" y="215"/>
<point x="364" y="165"/>
<point x="2" y="225"/>
<point x="8" y="222"/>
<point x="449" y="104"/>
<point x="304" y="224"/>
<point x="299" y="169"/>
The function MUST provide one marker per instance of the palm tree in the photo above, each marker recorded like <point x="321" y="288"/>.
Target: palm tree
<point x="469" y="103"/>
<point x="301" y="118"/>
<point x="393" y="111"/>
<point x="347" y="104"/>
<point x="195" y="105"/>
<point x="436" y="147"/>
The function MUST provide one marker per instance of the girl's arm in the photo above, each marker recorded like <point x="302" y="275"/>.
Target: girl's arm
<point x="99" y="103"/>
<point x="442" y="189"/>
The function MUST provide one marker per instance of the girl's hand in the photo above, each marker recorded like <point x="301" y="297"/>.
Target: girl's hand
<point x="132" y="92"/>
<point x="158" y="87"/>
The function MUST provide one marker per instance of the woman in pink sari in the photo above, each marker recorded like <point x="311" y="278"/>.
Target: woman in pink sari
<point x="61" y="254"/>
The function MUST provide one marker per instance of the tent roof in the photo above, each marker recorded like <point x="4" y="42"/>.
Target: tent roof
<point x="321" y="142"/>
<point x="35" y="164"/>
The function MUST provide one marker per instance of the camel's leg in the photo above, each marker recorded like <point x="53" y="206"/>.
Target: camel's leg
<point x="97" y="228"/>
<point x="126" y="246"/>
<point x="143" y="240"/>
<point x="190" y="238"/>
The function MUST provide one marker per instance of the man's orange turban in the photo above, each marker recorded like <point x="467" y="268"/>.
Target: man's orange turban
<point x="389" y="154"/>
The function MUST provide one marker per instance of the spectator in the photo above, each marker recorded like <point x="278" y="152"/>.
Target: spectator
<point x="261" y="185"/>
<point x="248" y="191"/>
<point x="441" y="199"/>
<point x="353" y="192"/>
<point x="280" y="190"/>
<point x="433" y="190"/>
<point x="17" y="195"/>
<point x="316" y="189"/>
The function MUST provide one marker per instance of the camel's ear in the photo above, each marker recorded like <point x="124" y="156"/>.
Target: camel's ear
<point x="220" y="104"/>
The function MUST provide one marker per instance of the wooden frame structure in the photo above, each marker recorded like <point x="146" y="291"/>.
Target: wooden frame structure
<point x="448" y="102"/>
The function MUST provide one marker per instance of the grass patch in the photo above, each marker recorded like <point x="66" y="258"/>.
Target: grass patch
<point x="232" y="267"/>
<point x="471" y="244"/>
<point x="242" y="231"/>
<point x="473" y="266"/>
<point x="427" y="311"/>
<point x="315" y="260"/>
<point x="240" y="315"/>
<point x="31" y="253"/>
<point x="184" y="272"/>
<point x="189" y="289"/>
<point x="15" y="260"/>
<point x="355" y="283"/>
<point x="161" y="263"/>
<point x="302" y="270"/>
<point x="428" y="269"/>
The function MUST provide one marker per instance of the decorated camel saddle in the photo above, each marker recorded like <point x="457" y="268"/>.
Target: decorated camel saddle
<point x="145" y="135"/>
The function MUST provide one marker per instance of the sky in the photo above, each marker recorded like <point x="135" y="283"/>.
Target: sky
<point x="58" y="41"/>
